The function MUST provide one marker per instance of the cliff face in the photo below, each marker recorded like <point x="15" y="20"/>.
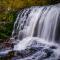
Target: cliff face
<point x="8" y="10"/>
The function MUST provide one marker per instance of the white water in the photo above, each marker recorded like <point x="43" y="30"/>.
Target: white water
<point x="40" y="24"/>
<point x="41" y="21"/>
<point x="22" y="45"/>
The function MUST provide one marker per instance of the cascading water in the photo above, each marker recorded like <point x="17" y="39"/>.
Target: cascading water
<point x="37" y="22"/>
<point x="38" y="31"/>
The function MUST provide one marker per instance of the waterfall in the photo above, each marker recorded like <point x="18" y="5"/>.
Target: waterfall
<point x="38" y="28"/>
<point x="37" y="22"/>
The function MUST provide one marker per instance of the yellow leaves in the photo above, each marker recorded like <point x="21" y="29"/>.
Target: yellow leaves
<point x="17" y="4"/>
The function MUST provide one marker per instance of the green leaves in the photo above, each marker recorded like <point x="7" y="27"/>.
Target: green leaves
<point x="6" y="25"/>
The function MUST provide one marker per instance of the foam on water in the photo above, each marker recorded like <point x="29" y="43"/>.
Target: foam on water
<point x="22" y="45"/>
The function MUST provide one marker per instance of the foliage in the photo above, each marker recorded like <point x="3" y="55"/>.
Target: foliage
<point x="7" y="26"/>
<point x="17" y="4"/>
